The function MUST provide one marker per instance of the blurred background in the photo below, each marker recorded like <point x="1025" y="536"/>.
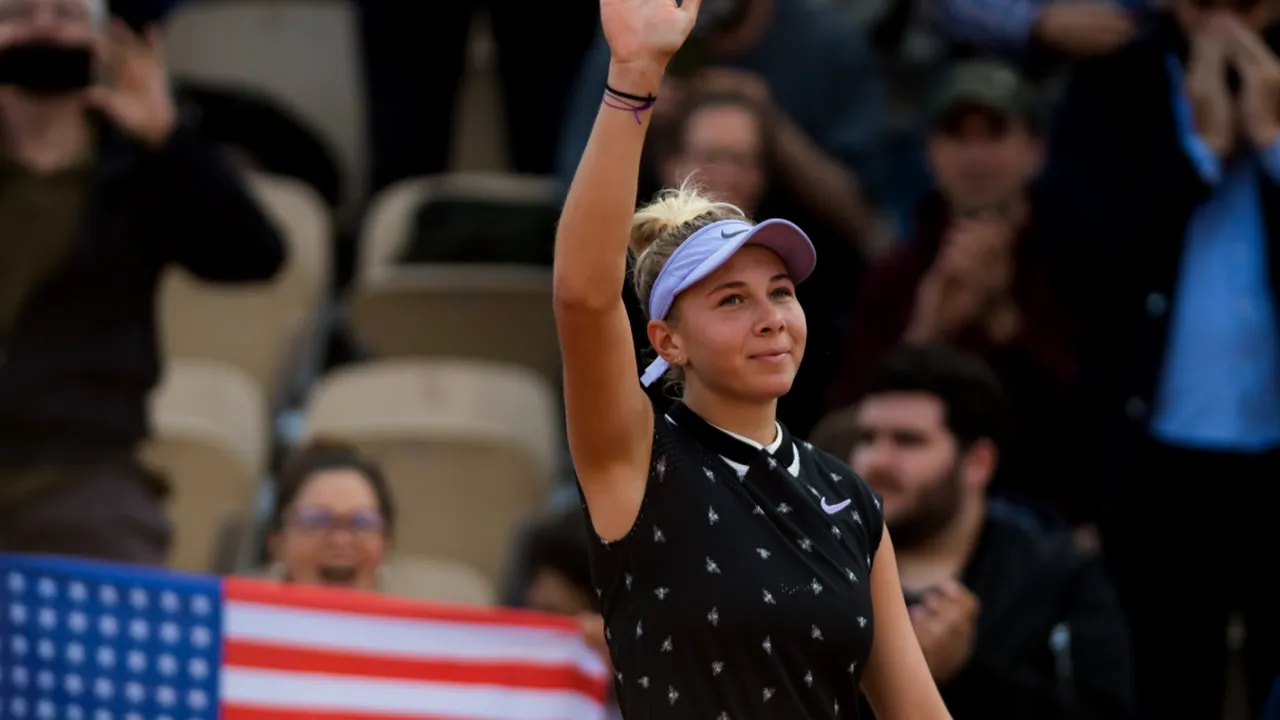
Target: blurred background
<point x="303" y="328"/>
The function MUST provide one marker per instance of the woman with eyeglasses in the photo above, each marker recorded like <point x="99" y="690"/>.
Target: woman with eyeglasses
<point x="332" y="520"/>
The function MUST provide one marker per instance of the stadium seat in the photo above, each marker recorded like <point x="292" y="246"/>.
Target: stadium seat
<point x="469" y="448"/>
<point x="236" y="543"/>
<point x="260" y="328"/>
<point x="432" y="309"/>
<point x="304" y="52"/>
<point x="484" y="312"/>
<point x="209" y="438"/>
<point x="389" y="224"/>
<point x="437" y="580"/>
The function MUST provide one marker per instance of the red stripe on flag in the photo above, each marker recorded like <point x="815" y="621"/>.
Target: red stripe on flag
<point x="249" y="712"/>
<point x="240" y="653"/>
<point x="366" y="603"/>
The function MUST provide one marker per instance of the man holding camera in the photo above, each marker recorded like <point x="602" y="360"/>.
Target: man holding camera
<point x="103" y="183"/>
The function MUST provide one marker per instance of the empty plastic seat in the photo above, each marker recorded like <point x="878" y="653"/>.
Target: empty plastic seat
<point x="236" y="543"/>
<point x="437" y="580"/>
<point x="499" y="312"/>
<point x="493" y="203"/>
<point x="483" y="312"/>
<point x="259" y="327"/>
<point x="209" y="438"/>
<point x="469" y="448"/>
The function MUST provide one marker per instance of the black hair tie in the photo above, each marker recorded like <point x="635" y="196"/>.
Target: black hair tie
<point x="628" y="96"/>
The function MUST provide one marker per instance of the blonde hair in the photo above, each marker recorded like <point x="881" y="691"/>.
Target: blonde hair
<point x="657" y="229"/>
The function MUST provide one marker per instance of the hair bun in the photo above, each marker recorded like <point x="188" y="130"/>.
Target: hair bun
<point x="673" y="211"/>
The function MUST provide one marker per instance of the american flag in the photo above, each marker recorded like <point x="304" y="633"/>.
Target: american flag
<point x="94" y="641"/>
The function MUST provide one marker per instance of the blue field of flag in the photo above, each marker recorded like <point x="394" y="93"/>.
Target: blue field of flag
<point x="92" y="641"/>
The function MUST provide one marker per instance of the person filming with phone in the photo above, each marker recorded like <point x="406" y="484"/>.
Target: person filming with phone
<point x="103" y="183"/>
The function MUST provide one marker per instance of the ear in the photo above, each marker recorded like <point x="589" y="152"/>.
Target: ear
<point x="665" y="340"/>
<point x="979" y="464"/>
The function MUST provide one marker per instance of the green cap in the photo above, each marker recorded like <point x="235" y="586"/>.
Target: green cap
<point x="986" y="84"/>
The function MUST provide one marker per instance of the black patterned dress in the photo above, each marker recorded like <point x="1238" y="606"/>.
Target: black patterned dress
<point x="743" y="590"/>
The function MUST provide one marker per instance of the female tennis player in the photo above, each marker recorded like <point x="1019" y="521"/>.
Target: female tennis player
<point x="742" y="574"/>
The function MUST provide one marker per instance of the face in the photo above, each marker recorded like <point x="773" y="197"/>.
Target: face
<point x="69" y="21"/>
<point x="1193" y="14"/>
<point x="723" y="146"/>
<point x="982" y="161"/>
<point x="552" y="592"/>
<point x="904" y="450"/>
<point x="740" y="330"/>
<point x="334" y="533"/>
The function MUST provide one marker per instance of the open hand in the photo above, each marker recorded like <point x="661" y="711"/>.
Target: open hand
<point x="646" y="32"/>
<point x="946" y="624"/>
<point x="1087" y="539"/>
<point x="1084" y="28"/>
<point x="1212" y="108"/>
<point x="974" y="268"/>
<point x="946" y="303"/>
<point x="983" y="247"/>
<point x="1259" y="68"/>
<point x="138" y="98"/>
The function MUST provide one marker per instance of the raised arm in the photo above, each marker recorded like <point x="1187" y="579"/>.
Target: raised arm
<point x="203" y="212"/>
<point x="215" y="226"/>
<point x="897" y="682"/>
<point x="609" y="419"/>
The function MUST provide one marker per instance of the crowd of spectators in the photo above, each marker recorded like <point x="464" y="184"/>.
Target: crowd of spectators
<point x="1043" y="326"/>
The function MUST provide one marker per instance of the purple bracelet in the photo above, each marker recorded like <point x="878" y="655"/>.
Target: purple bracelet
<point x="611" y="100"/>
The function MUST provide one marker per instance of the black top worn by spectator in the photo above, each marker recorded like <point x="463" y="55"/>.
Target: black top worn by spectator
<point x="80" y="359"/>
<point x="266" y="133"/>
<point x="1051" y="642"/>
<point x="744" y="588"/>
<point x="1051" y="639"/>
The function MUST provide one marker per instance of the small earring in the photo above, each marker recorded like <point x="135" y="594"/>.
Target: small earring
<point x="677" y="361"/>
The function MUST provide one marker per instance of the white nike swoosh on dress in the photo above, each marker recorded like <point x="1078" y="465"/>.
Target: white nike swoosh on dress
<point x="833" y="509"/>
